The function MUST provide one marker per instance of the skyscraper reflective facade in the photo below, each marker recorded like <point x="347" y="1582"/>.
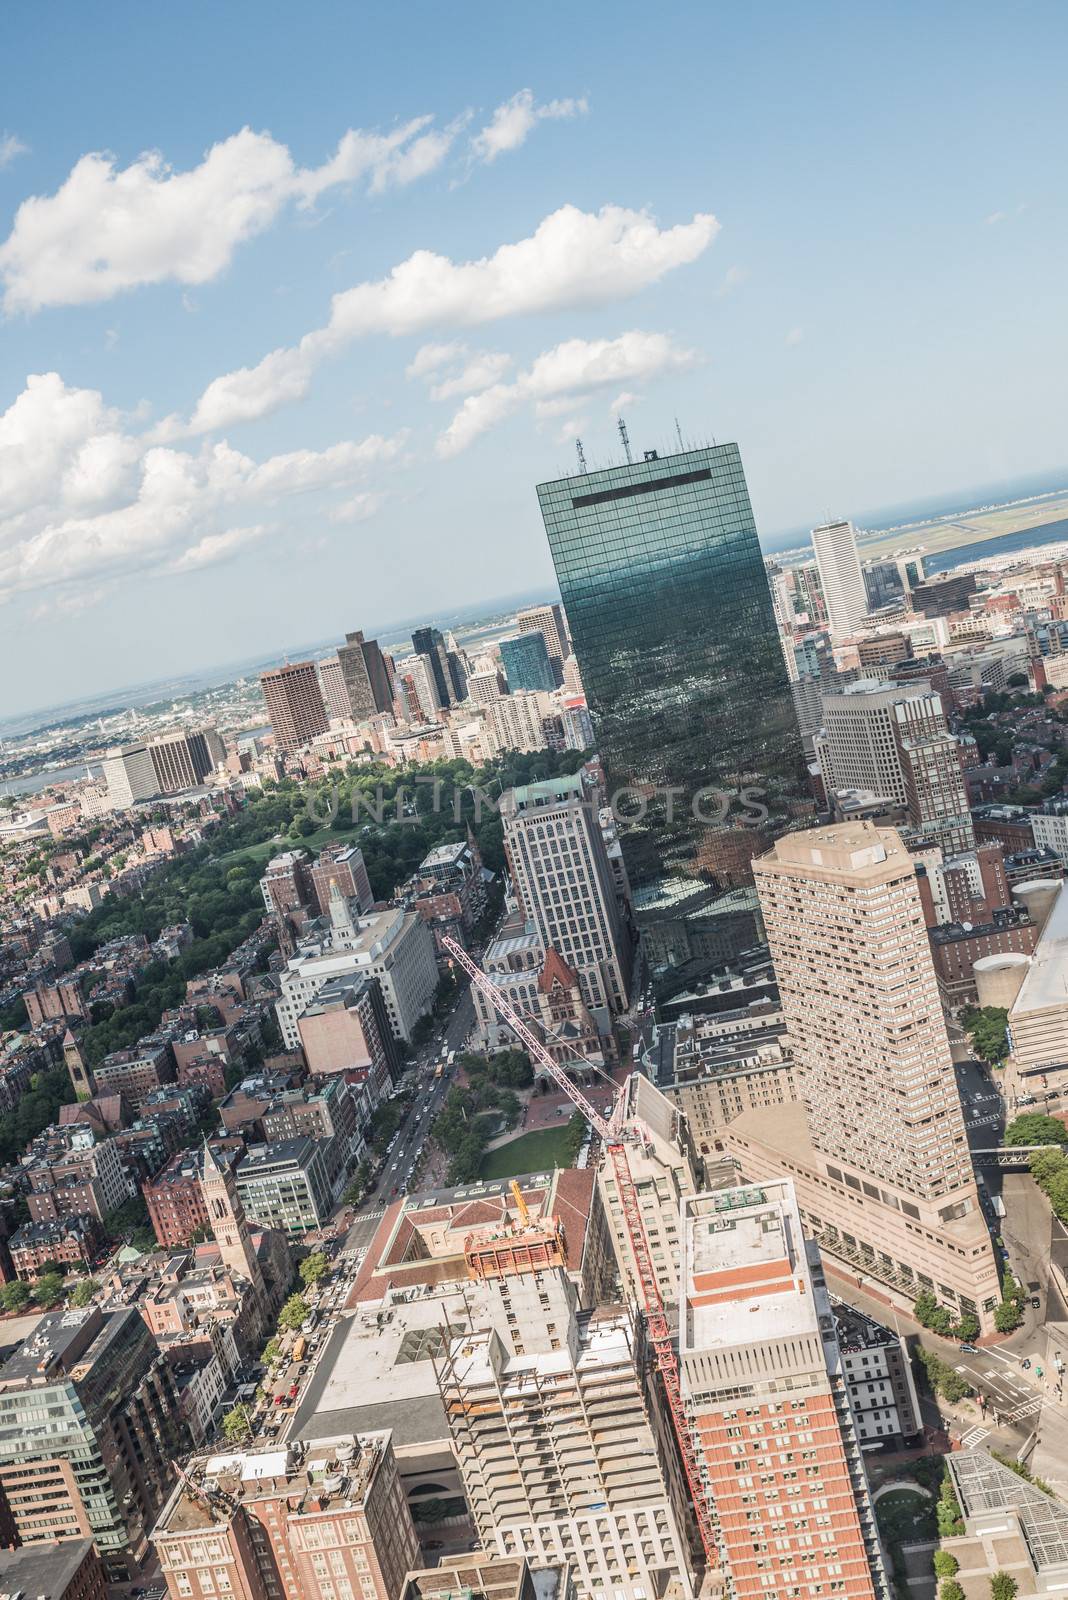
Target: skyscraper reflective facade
<point x="667" y="601"/>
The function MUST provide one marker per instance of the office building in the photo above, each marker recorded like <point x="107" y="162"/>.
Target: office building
<point x="61" y="1569"/>
<point x="562" y="1440"/>
<point x="768" y="1405"/>
<point x="323" y="1521"/>
<point x="343" y="865"/>
<point x="394" y="946"/>
<point x="346" y="1029"/>
<point x="663" y="1171"/>
<point x="563" y="881"/>
<point x="418" y="696"/>
<point x="367" y="675"/>
<point x="183" y="759"/>
<point x="878" y="1150"/>
<point x="518" y="721"/>
<point x="878" y="1376"/>
<point x="445" y="666"/>
<point x="667" y="602"/>
<point x="287" y="1186"/>
<point x="549" y="621"/>
<point x="526" y="662"/>
<point x="88" y="1430"/>
<point x="894" y="744"/>
<point x="294" y="702"/>
<point x="130" y="776"/>
<point x="333" y="690"/>
<point x="842" y="582"/>
<point x="286" y="885"/>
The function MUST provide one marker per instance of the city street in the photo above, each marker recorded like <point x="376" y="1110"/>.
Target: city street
<point x="411" y="1136"/>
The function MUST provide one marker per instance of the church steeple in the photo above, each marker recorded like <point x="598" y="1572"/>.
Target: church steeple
<point x="226" y="1219"/>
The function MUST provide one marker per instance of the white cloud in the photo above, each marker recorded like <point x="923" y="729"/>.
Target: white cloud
<point x="83" y="498"/>
<point x="572" y="369"/>
<point x="472" y="369"/>
<point x="10" y="147"/>
<point x="513" y="121"/>
<point x="733" y="279"/>
<point x="216" y="547"/>
<point x="108" y="229"/>
<point x="995" y="217"/>
<point x="359" y="508"/>
<point x="573" y="259"/>
<point x="795" y="336"/>
<point x="429" y="357"/>
<point x="622" y="401"/>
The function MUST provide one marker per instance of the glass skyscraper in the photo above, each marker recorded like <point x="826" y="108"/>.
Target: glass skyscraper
<point x="667" y="601"/>
<point x="525" y="659"/>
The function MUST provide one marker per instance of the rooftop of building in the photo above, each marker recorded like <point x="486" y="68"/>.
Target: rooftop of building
<point x="41" y="1571"/>
<point x="857" y="1331"/>
<point x="420" y="1241"/>
<point x="485" y="1577"/>
<point x="299" y="1152"/>
<point x="986" y="1488"/>
<point x="328" y="1475"/>
<point x="550" y="792"/>
<point x="853" y="850"/>
<point x="605" y="1342"/>
<point x="63" y="1342"/>
<point x="1046" y="983"/>
<point x="751" y="1235"/>
<point x="445" y="855"/>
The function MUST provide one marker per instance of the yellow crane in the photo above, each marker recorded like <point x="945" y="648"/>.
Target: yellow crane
<point x="520" y="1203"/>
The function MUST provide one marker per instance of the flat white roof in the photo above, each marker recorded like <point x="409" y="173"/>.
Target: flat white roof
<point x="1046" y="983"/>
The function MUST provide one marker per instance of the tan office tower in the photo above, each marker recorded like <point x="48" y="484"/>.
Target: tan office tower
<point x="878" y="1148"/>
<point x="294" y="704"/>
<point x="764" y="1389"/>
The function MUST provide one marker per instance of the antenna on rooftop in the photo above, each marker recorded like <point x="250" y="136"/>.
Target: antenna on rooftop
<point x="623" y="435"/>
<point x="581" y="456"/>
<point x="678" y="434"/>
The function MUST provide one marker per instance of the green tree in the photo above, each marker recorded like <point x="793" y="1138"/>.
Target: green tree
<point x="1003" y="1586"/>
<point x="314" y="1267"/>
<point x="988" y="1028"/>
<point x="15" y="1296"/>
<point x="950" y="1519"/>
<point x="967" y="1327"/>
<point x="237" y="1425"/>
<point x="48" y="1290"/>
<point x="1007" y="1316"/>
<point x="951" y="1590"/>
<point x="1036" y="1128"/>
<point x="271" y="1351"/>
<point x="84" y="1292"/>
<point x="924" y="1308"/>
<point x="946" y="1564"/>
<point x="293" y="1313"/>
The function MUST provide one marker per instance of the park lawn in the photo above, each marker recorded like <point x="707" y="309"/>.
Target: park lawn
<point x="259" y="853"/>
<point x="539" y="1151"/>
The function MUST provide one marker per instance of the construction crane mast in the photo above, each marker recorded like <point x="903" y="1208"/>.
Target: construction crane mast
<point x="616" y="1132"/>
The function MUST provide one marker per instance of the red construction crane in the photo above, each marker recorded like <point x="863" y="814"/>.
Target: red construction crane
<point x="614" y="1132"/>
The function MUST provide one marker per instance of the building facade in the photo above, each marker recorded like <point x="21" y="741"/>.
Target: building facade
<point x="878" y="1151"/>
<point x="564" y="884"/>
<point x="842" y="582"/>
<point x="295" y="706"/>
<point x="768" y="1406"/>
<point x="667" y="600"/>
<point x="526" y="662"/>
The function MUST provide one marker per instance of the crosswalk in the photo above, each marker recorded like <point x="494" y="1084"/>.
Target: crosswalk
<point x="1028" y="1409"/>
<point x="973" y="1437"/>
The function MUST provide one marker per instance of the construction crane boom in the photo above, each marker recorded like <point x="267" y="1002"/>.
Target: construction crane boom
<point x="614" y="1132"/>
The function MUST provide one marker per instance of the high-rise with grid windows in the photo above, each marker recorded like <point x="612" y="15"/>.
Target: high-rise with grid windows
<point x="667" y="601"/>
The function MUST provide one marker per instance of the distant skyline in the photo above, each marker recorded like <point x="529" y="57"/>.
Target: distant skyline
<point x="297" y="312"/>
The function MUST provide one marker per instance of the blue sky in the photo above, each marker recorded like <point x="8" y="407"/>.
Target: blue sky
<point x="834" y="233"/>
